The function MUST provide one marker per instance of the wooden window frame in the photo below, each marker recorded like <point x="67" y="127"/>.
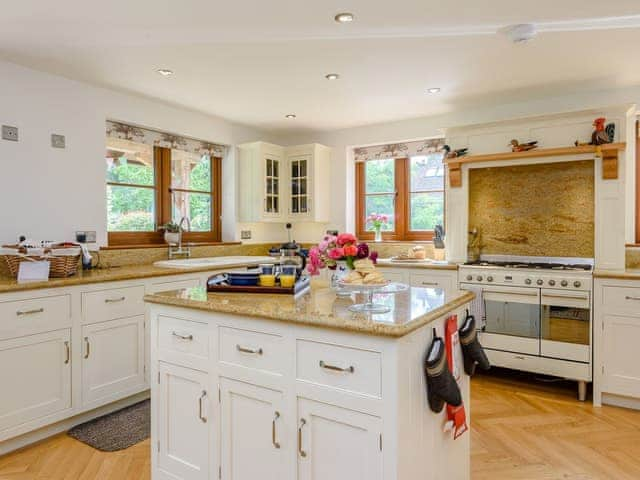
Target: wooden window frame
<point x="637" y="182"/>
<point x="402" y="232"/>
<point x="163" y="211"/>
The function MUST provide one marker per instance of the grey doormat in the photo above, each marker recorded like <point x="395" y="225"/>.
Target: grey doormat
<point x="117" y="430"/>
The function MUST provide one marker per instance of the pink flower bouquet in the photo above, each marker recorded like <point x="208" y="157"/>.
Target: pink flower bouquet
<point x="336" y="248"/>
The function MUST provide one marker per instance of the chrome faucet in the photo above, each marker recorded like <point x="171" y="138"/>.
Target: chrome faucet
<point x="180" y="251"/>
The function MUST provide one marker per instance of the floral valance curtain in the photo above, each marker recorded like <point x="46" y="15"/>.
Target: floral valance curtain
<point x="159" y="139"/>
<point x="398" y="150"/>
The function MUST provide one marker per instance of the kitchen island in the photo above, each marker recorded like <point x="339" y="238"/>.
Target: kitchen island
<point x="275" y="387"/>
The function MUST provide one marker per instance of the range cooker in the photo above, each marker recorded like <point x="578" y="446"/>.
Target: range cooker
<point x="536" y="313"/>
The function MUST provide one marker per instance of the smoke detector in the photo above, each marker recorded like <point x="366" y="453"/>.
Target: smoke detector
<point x="521" y="33"/>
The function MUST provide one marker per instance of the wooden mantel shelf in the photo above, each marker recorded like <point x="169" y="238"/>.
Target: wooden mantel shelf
<point x="609" y="153"/>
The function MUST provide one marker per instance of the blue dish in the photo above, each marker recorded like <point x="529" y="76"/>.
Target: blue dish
<point x="243" y="278"/>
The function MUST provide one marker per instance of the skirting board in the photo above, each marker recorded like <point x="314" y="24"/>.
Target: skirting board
<point x="64" y="425"/>
<point x="620" y="401"/>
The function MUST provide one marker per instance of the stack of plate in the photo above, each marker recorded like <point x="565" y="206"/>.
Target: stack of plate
<point x="243" y="277"/>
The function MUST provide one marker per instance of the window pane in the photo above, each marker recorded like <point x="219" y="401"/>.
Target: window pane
<point x="381" y="204"/>
<point x="129" y="162"/>
<point x="380" y="176"/>
<point x="427" y="173"/>
<point x="130" y="209"/>
<point x="427" y="210"/>
<point x="190" y="171"/>
<point x="195" y="206"/>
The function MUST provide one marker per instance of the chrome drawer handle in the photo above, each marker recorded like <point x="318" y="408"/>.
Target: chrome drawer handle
<point x="29" y="312"/>
<point x="67" y="349"/>
<point x="252" y="351"/>
<point x="430" y="284"/>
<point x="200" y="407"/>
<point x="327" y="366"/>
<point x="88" y="345"/>
<point x="274" y="436"/>
<point x="519" y="357"/>
<point x="302" y="453"/>
<point x="631" y="298"/>
<point x="114" y="300"/>
<point x="182" y="337"/>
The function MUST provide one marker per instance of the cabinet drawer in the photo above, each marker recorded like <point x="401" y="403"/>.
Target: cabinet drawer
<point x="112" y="304"/>
<point x="430" y="280"/>
<point x="174" y="285"/>
<point x="183" y="342"/>
<point x="250" y="349"/>
<point x="622" y="299"/>
<point x="35" y="315"/>
<point x="340" y="367"/>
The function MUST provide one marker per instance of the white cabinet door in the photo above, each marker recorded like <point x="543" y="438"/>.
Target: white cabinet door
<point x="184" y="423"/>
<point x="253" y="439"/>
<point x="621" y="374"/>
<point x="112" y="359"/>
<point x="35" y="377"/>
<point x="301" y="183"/>
<point x="338" y="444"/>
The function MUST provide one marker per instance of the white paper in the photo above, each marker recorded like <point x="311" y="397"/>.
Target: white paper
<point x="33" y="271"/>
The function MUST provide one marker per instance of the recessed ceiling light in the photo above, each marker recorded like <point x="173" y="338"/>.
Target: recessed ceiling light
<point x="433" y="90"/>
<point x="332" y="76"/>
<point x="291" y="115"/>
<point x="344" y="17"/>
<point x="165" y="72"/>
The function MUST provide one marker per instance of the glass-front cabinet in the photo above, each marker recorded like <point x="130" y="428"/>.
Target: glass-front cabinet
<point x="300" y="190"/>
<point x="284" y="184"/>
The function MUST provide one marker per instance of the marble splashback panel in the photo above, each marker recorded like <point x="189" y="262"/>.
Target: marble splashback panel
<point x="537" y="210"/>
<point x="632" y="257"/>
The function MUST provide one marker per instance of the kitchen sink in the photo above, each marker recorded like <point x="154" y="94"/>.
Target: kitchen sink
<point x="214" y="262"/>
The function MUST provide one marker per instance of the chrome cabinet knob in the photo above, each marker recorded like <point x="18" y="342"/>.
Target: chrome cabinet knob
<point x="552" y="282"/>
<point x="539" y="281"/>
<point x="564" y="283"/>
<point x="527" y="281"/>
<point x="479" y="278"/>
<point x="577" y="284"/>
<point x="489" y="278"/>
<point x="469" y="278"/>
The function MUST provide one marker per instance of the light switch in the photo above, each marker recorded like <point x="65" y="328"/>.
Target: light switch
<point x="58" y="141"/>
<point x="245" y="234"/>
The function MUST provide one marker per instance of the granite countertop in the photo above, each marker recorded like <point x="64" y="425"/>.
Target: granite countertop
<point x="430" y="264"/>
<point x="321" y="307"/>
<point x="112" y="274"/>
<point x="627" y="274"/>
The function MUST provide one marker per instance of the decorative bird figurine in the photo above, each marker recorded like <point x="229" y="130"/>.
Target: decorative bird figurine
<point x="602" y="134"/>
<point x="516" y="146"/>
<point x="459" y="152"/>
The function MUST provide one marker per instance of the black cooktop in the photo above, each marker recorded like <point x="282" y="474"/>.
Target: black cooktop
<point x="535" y="265"/>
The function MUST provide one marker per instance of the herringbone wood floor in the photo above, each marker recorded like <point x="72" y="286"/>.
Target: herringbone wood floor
<point x="521" y="429"/>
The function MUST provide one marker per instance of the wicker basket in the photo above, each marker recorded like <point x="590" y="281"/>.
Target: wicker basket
<point x="63" y="261"/>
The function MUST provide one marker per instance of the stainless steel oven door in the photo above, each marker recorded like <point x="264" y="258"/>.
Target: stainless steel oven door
<point x="512" y="319"/>
<point x="565" y="327"/>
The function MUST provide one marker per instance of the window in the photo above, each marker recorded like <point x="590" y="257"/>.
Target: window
<point x="149" y="186"/>
<point x="409" y="190"/>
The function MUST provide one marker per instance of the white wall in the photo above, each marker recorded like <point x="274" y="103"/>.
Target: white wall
<point x="342" y="141"/>
<point x="50" y="193"/>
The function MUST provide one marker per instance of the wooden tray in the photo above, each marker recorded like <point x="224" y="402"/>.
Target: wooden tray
<point x="302" y="284"/>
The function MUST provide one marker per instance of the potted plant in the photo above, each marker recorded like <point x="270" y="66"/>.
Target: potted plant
<point x="172" y="233"/>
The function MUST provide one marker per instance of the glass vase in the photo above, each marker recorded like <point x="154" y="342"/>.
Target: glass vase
<point x="378" y="235"/>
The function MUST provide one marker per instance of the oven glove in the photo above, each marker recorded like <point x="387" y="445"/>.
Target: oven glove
<point x="472" y="351"/>
<point x="441" y="386"/>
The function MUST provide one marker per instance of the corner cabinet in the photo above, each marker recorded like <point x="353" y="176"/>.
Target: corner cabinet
<point x="284" y="184"/>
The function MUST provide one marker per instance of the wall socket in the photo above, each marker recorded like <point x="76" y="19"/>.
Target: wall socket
<point x="58" y="141"/>
<point x="89" y="236"/>
<point x="9" y="133"/>
<point x="245" y="234"/>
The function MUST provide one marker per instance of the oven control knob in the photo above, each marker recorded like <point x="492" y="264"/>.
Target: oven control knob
<point x="564" y="283"/>
<point x="489" y="278"/>
<point x="469" y="278"/>
<point x="539" y="281"/>
<point x="577" y="284"/>
<point x="479" y="278"/>
<point x="527" y="281"/>
<point x="552" y="282"/>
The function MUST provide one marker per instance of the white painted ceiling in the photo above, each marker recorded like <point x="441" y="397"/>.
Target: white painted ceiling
<point x="254" y="61"/>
